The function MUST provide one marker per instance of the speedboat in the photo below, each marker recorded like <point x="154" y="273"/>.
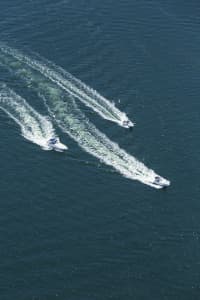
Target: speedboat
<point x="126" y="123"/>
<point x="160" y="182"/>
<point x="55" y="144"/>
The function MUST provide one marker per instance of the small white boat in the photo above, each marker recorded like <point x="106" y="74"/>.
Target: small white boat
<point x="55" y="144"/>
<point x="125" y="122"/>
<point x="160" y="182"/>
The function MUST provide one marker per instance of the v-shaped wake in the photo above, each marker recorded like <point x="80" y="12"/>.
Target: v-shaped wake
<point x="63" y="108"/>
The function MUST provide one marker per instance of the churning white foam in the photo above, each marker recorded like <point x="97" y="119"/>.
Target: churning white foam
<point x="90" y="97"/>
<point x="34" y="127"/>
<point x="63" y="108"/>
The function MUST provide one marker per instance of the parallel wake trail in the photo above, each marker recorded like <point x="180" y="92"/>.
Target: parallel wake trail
<point x="34" y="127"/>
<point x="72" y="85"/>
<point x="63" y="108"/>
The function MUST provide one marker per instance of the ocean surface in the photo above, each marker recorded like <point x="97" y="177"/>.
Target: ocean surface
<point x="71" y="226"/>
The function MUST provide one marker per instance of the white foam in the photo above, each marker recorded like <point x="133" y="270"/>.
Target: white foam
<point x="63" y="108"/>
<point x="73" y="122"/>
<point x="34" y="127"/>
<point x="74" y="86"/>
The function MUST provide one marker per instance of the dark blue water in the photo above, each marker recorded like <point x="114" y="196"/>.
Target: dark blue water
<point x="71" y="227"/>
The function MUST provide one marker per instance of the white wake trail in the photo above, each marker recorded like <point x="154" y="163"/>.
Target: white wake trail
<point x="34" y="127"/>
<point x="63" y="108"/>
<point x="73" y="122"/>
<point x="74" y="86"/>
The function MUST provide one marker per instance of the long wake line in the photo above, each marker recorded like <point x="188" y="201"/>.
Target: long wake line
<point x="75" y="87"/>
<point x="63" y="108"/>
<point x="34" y="127"/>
